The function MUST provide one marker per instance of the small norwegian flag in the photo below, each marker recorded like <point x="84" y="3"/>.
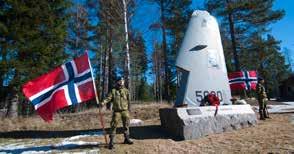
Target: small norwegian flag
<point x="243" y="80"/>
<point x="66" y="85"/>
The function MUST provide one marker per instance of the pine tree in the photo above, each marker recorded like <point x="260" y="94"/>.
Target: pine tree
<point x="116" y="42"/>
<point x="158" y="67"/>
<point x="179" y="15"/>
<point x="246" y="23"/>
<point x="289" y="58"/>
<point x="79" y="29"/>
<point x="138" y="64"/>
<point x="144" y="91"/>
<point x="174" y="16"/>
<point x="241" y="19"/>
<point x="32" y="40"/>
<point x="164" y="5"/>
<point x="266" y="58"/>
<point x="108" y="20"/>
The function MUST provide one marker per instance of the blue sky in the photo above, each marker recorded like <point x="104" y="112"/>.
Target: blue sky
<point x="284" y="29"/>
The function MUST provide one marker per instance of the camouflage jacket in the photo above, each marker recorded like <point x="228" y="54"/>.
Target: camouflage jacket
<point x="260" y="90"/>
<point x="119" y="98"/>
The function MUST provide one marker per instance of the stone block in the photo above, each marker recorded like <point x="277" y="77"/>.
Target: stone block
<point x="195" y="122"/>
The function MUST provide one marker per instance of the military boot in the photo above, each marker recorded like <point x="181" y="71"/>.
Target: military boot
<point x="261" y="115"/>
<point x="110" y="145"/>
<point x="127" y="139"/>
<point x="266" y="114"/>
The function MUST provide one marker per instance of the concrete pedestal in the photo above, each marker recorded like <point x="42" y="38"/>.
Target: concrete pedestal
<point x="195" y="122"/>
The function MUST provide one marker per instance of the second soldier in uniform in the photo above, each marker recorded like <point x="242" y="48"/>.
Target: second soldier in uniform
<point x="119" y="97"/>
<point x="261" y="96"/>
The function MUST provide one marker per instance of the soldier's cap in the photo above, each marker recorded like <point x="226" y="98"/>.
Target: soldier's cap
<point x="260" y="78"/>
<point x="119" y="79"/>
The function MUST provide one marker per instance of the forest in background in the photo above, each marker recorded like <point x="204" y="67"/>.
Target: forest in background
<point x="36" y="36"/>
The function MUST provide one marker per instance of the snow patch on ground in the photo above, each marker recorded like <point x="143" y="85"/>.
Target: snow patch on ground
<point x="289" y="103"/>
<point x="83" y="135"/>
<point x="136" y="122"/>
<point x="241" y="102"/>
<point x="65" y="144"/>
<point x="289" y="108"/>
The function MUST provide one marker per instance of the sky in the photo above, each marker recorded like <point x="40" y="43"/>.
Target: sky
<point x="284" y="29"/>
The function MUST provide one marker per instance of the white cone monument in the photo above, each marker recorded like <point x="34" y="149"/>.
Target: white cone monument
<point x="201" y="63"/>
<point x="202" y="70"/>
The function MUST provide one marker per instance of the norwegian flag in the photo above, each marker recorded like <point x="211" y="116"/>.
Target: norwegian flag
<point x="243" y="80"/>
<point x="68" y="84"/>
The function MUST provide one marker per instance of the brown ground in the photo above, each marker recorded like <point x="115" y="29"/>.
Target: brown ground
<point x="275" y="135"/>
<point x="269" y="102"/>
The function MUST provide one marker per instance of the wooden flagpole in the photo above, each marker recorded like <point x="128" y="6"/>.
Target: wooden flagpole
<point x="97" y="101"/>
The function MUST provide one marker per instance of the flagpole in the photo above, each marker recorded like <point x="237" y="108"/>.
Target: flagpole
<point x="97" y="101"/>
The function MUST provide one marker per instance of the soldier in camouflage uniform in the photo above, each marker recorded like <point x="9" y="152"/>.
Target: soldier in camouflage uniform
<point x="119" y="97"/>
<point x="261" y="96"/>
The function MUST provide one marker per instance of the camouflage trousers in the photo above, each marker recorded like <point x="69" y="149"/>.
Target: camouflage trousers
<point x="262" y="104"/>
<point x="263" y="108"/>
<point x="124" y="115"/>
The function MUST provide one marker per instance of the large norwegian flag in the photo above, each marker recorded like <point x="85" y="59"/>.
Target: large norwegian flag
<point x="243" y="80"/>
<point x="68" y="84"/>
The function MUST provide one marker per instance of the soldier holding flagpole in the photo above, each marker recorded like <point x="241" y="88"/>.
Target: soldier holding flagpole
<point x="120" y="99"/>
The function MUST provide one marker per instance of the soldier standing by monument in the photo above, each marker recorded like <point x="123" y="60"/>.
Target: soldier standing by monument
<point x="261" y="96"/>
<point x="119" y="97"/>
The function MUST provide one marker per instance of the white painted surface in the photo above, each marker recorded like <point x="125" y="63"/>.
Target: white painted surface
<point x="222" y="110"/>
<point x="206" y="67"/>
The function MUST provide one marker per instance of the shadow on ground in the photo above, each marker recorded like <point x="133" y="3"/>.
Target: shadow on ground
<point x="148" y="132"/>
<point x="138" y="132"/>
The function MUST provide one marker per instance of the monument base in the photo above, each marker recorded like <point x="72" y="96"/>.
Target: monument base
<point x="194" y="122"/>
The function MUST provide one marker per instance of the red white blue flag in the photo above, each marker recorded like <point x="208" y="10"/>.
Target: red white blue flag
<point x="243" y="80"/>
<point x="68" y="84"/>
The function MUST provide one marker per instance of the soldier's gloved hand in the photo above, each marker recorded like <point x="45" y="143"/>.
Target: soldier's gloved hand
<point x="99" y="105"/>
<point x="108" y="106"/>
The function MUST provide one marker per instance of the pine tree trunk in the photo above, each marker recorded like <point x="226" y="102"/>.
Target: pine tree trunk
<point x="100" y="87"/>
<point x="103" y="56"/>
<point x="110" y="67"/>
<point x="12" y="105"/>
<point x="105" y="73"/>
<point x="157" y="75"/>
<point x="127" y="50"/>
<point x="110" y="61"/>
<point x="164" y="48"/>
<point x="233" y="39"/>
